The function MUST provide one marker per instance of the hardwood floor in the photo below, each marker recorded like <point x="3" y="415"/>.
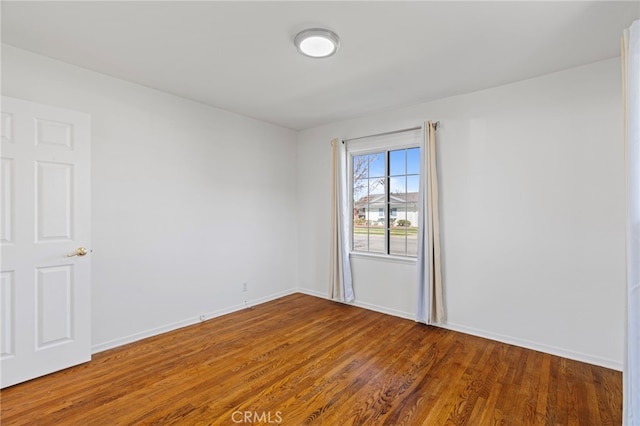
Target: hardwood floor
<point x="304" y="360"/>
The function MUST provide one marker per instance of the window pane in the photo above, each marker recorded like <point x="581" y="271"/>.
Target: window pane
<point x="395" y="211"/>
<point x="376" y="239"/>
<point x="412" y="208"/>
<point x="412" y="234"/>
<point x="411" y="227"/>
<point x="360" y="191"/>
<point x="376" y="165"/>
<point x="360" y="167"/>
<point x="360" y="209"/>
<point x="412" y="183"/>
<point x="376" y="186"/>
<point x="398" y="241"/>
<point x="397" y="162"/>
<point x="360" y="236"/>
<point x="398" y="185"/>
<point x="398" y="206"/>
<point x="413" y="161"/>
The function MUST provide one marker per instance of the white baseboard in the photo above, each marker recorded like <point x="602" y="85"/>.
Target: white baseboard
<point x="603" y="362"/>
<point x="383" y="310"/>
<point x="186" y="322"/>
<point x="314" y="293"/>
<point x="540" y="347"/>
<point x="364" y="305"/>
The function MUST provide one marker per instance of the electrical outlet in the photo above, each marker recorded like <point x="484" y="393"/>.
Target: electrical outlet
<point x="244" y="286"/>
<point x="202" y="317"/>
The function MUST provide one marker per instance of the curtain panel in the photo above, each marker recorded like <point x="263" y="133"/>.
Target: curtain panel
<point x="430" y="287"/>
<point x="341" y="286"/>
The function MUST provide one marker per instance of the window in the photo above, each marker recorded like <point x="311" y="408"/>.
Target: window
<point x="384" y="188"/>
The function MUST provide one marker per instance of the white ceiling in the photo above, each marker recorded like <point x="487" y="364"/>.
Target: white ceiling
<point x="239" y="56"/>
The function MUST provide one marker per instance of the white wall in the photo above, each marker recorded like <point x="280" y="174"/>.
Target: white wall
<point x="176" y="187"/>
<point x="532" y="213"/>
<point x="532" y="207"/>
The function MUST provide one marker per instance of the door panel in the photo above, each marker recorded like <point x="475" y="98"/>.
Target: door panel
<point x="6" y="200"/>
<point x="54" y="190"/>
<point x="45" y="196"/>
<point x="53" y="301"/>
<point x="7" y="310"/>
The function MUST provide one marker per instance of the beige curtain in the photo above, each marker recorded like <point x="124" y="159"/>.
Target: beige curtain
<point x="430" y="287"/>
<point x="341" y="287"/>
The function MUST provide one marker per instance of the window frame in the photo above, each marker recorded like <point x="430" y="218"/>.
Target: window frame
<point x="376" y="145"/>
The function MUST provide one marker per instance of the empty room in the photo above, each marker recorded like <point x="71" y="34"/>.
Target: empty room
<point x="332" y="213"/>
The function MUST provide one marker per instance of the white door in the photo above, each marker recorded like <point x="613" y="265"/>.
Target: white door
<point x="45" y="216"/>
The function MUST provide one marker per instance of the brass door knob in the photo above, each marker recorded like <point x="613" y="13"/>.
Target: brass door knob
<point x="80" y="251"/>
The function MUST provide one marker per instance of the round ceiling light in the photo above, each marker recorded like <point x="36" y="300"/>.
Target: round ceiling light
<point x="317" y="42"/>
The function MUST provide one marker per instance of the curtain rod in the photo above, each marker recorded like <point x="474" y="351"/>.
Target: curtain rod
<point x="393" y="132"/>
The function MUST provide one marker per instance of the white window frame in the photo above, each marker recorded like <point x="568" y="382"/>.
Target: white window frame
<point x="385" y="142"/>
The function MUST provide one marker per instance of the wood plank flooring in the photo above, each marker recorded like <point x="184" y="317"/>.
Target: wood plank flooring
<point x="303" y="360"/>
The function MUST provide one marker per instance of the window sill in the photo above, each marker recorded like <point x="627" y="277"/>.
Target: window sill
<point x="383" y="257"/>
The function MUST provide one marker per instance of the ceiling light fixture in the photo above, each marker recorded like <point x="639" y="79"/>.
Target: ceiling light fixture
<point x="317" y="42"/>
